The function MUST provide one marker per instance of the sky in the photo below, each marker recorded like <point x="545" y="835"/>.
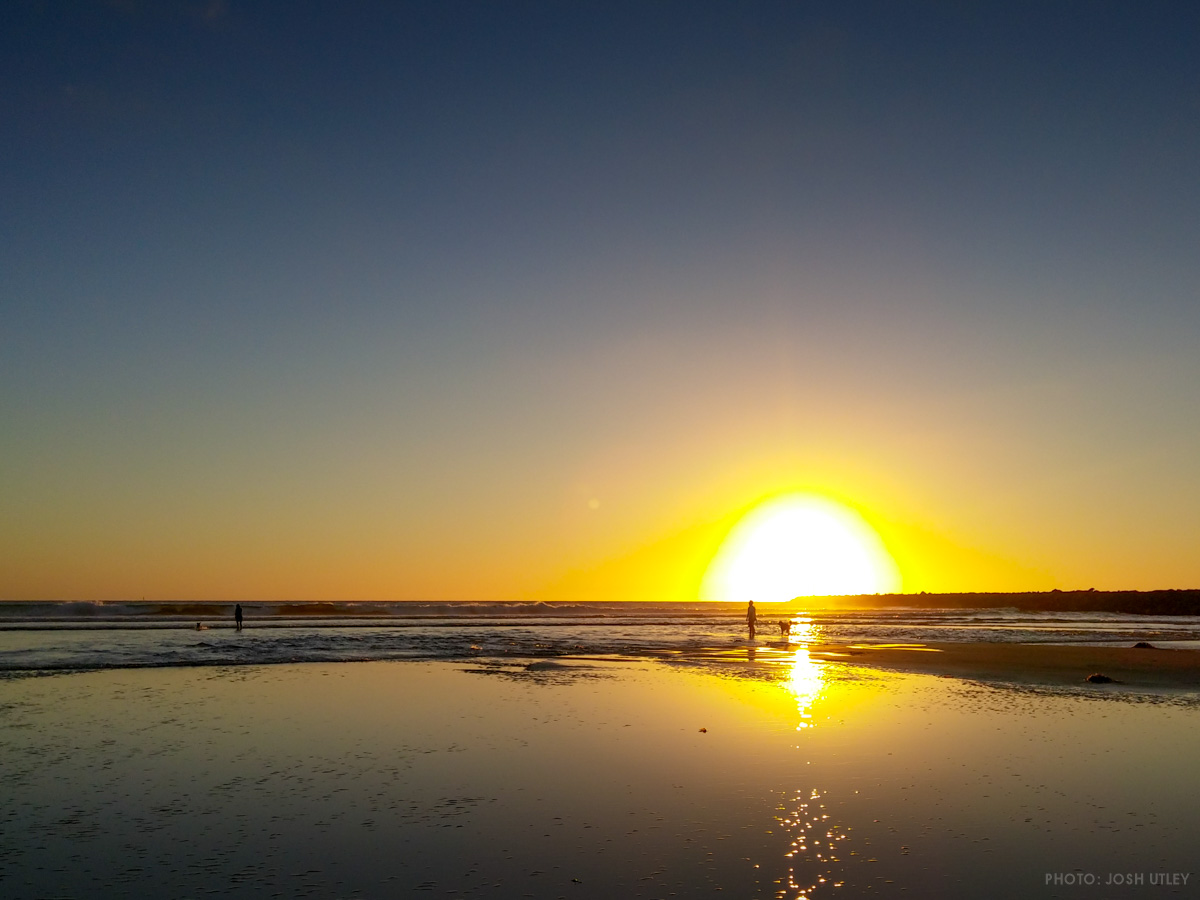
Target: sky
<point x="487" y="301"/>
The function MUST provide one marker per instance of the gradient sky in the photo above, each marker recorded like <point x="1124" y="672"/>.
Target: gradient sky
<point x="382" y="300"/>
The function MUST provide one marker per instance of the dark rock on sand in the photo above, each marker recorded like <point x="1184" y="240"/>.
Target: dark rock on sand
<point x="545" y="666"/>
<point x="1142" y="645"/>
<point x="1097" y="678"/>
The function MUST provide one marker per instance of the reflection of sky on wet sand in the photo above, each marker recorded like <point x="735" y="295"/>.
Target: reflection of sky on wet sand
<point x="390" y="778"/>
<point x="380" y="779"/>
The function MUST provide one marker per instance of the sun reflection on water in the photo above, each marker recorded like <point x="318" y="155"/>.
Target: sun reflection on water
<point x="813" y="854"/>
<point x="806" y="676"/>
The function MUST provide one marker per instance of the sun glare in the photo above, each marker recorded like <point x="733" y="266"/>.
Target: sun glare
<point x="800" y="546"/>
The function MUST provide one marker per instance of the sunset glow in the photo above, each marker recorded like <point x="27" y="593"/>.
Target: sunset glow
<point x="800" y="546"/>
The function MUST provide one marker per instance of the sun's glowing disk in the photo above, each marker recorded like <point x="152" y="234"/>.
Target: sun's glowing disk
<point x="800" y="546"/>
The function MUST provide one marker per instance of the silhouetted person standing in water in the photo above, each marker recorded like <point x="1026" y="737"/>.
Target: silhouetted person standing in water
<point x="751" y="618"/>
<point x="237" y="616"/>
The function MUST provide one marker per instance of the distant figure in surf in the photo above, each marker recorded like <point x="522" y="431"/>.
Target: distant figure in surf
<point x="785" y="629"/>
<point x="237" y="616"/>
<point x="751" y="618"/>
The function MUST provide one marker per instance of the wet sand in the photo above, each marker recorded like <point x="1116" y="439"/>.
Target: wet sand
<point x="766" y="773"/>
<point x="1030" y="664"/>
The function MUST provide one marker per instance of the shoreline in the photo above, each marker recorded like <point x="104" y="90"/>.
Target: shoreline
<point x="1026" y="664"/>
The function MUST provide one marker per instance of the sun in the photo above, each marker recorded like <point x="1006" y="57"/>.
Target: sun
<point x="799" y="545"/>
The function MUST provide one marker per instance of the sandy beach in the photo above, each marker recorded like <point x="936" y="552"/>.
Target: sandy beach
<point x="769" y="772"/>
<point x="1032" y="664"/>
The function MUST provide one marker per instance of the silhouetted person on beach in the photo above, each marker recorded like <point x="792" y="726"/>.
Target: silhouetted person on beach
<point x="751" y="618"/>
<point x="237" y="615"/>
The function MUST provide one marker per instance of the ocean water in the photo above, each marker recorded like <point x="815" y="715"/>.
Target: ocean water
<point x="83" y="636"/>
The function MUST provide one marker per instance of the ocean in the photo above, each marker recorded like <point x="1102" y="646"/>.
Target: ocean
<point x="44" y="636"/>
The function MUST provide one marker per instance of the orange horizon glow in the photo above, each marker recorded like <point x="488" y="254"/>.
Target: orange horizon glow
<point x="640" y="543"/>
